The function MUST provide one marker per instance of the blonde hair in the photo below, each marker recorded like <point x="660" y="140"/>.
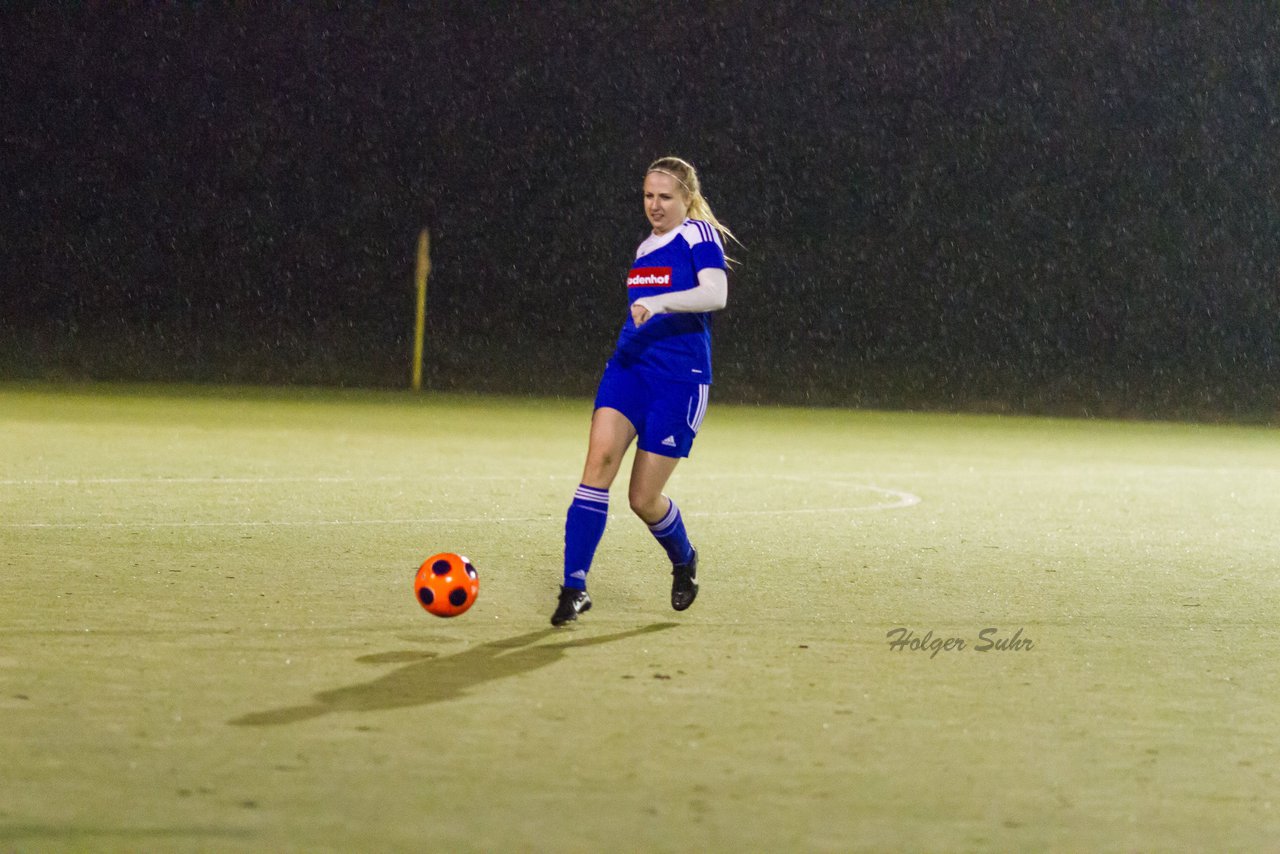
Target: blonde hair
<point x="687" y="177"/>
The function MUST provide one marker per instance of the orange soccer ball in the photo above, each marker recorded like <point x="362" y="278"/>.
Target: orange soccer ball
<point x="446" y="584"/>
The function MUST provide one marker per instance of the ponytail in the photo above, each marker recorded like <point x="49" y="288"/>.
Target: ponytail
<point x="687" y="177"/>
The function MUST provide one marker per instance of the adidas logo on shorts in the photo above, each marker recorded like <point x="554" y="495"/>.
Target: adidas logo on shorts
<point x="669" y="442"/>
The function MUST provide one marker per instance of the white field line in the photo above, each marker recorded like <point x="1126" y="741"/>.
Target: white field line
<point x="895" y="499"/>
<point x="215" y="480"/>
<point x="164" y="481"/>
<point x="1144" y="470"/>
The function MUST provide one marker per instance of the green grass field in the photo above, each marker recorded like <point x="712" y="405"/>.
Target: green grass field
<point x="208" y="638"/>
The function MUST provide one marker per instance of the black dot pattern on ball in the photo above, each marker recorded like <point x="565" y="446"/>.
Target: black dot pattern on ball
<point x="425" y="596"/>
<point x="471" y="571"/>
<point x="441" y="567"/>
<point x="457" y="596"/>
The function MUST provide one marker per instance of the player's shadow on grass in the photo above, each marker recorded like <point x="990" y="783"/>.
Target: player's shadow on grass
<point x="432" y="680"/>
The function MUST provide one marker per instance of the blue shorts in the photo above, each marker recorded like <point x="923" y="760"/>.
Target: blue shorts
<point x="666" y="413"/>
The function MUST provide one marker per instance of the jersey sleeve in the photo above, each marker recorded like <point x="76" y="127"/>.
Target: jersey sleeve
<point x="710" y="294"/>
<point x="704" y="243"/>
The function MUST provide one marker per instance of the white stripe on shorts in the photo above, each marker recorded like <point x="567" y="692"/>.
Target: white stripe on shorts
<point x="697" y="408"/>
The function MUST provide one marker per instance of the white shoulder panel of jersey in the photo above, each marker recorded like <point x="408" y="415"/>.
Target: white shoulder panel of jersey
<point x="697" y="231"/>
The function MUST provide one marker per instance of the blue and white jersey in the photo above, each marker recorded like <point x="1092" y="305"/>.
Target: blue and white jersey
<point x="672" y="345"/>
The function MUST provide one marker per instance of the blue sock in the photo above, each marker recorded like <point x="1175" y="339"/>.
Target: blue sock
<point x="671" y="534"/>
<point x="583" y="528"/>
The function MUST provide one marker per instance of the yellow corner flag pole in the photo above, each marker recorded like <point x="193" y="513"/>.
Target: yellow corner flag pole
<point x="421" y="270"/>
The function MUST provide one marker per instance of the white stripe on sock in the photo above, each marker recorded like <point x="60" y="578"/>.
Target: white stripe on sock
<point x="662" y="527"/>
<point x="590" y="494"/>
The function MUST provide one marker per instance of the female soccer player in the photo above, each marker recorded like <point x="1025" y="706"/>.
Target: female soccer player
<point x="654" y="388"/>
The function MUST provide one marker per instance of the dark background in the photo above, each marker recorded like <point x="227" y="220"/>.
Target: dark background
<point x="1031" y="208"/>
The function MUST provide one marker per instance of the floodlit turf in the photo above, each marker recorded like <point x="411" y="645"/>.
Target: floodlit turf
<point x="209" y="641"/>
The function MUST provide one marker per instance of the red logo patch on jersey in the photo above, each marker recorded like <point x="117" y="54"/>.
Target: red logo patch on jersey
<point x="649" y="277"/>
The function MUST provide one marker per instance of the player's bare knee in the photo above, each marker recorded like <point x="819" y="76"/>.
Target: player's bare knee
<point x="599" y="470"/>
<point x="648" y="507"/>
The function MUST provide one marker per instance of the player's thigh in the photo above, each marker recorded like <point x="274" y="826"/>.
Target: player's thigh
<point x="611" y="433"/>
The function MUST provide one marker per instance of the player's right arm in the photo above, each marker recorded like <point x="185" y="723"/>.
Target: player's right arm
<point x="710" y="294"/>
